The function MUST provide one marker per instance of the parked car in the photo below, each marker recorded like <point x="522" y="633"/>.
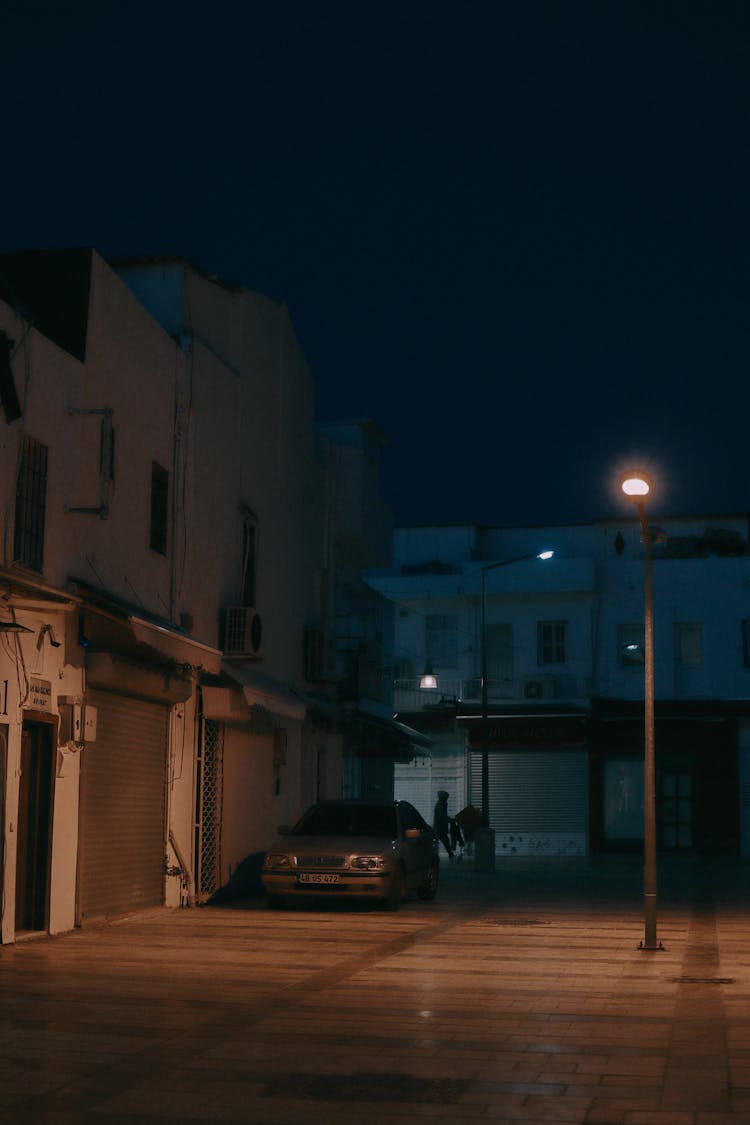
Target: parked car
<point x="354" y="849"/>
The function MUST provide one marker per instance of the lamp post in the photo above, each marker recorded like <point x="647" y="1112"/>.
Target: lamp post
<point x="637" y="487"/>
<point x="483" y="656"/>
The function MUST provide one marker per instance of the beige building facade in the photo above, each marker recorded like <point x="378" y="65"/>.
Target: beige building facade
<point x="166" y="574"/>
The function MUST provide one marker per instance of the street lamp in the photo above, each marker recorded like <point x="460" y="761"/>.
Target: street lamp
<point x="428" y="679"/>
<point x="637" y="487"/>
<point x="483" y="635"/>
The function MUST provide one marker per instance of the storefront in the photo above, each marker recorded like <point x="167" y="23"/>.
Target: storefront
<point x="538" y="781"/>
<point x="698" y="795"/>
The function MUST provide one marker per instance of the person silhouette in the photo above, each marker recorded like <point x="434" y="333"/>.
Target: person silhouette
<point x="469" y="820"/>
<point x="441" y="821"/>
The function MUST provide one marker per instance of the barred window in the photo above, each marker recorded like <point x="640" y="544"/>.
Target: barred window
<point x="31" y="503"/>
<point x="159" y="508"/>
<point x="249" y="560"/>
<point x="551" y="642"/>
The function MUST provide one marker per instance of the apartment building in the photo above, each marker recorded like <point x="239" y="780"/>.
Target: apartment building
<point x="559" y="720"/>
<point x="168" y="586"/>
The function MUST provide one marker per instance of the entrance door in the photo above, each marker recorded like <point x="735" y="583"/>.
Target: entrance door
<point x="3" y="784"/>
<point x="676" y="811"/>
<point x="34" y="826"/>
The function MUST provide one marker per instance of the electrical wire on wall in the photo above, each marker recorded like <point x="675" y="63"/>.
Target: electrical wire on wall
<point x="11" y="642"/>
<point x="9" y="521"/>
<point x="182" y="435"/>
<point x="176" y="772"/>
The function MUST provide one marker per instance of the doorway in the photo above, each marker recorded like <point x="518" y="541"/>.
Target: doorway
<point x="676" y="811"/>
<point x="3" y="786"/>
<point x="34" y="826"/>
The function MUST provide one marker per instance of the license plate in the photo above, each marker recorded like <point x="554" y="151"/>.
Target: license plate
<point x="317" y="877"/>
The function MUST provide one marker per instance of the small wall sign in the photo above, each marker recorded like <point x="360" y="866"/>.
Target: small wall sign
<point x="40" y="694"/>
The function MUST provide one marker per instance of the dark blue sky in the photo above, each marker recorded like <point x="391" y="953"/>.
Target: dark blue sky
<point x="514" y="234"/>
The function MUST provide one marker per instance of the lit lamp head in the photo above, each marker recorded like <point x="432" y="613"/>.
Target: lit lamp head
<point x="636" y="486"/>
<point x="428" y="680"/>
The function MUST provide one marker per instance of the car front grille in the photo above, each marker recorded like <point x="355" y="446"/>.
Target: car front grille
<point x="330" y="861"/>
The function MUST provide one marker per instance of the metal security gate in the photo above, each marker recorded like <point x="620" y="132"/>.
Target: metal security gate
<point x="538" y="800"/>
<point x="123" y="811"/>
<point x="208" y="791"/>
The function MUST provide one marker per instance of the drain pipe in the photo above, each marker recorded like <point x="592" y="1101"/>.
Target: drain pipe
<point x="187" y="873"/>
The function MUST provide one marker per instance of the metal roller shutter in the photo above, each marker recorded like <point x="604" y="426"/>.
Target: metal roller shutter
<point x="122" y="819"/>
<point x="534" y="791"/>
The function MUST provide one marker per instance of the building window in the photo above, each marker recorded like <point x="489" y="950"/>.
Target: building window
<point x="688" y="644"/>
<point x="249" y="560"/>
<point x="631" y="641"/>
<point x="31" y="503"/>
<point x="551" y="642"/>
<point x="159" y="506"/>
<point x="441" y="640"/>
<point x="499" y="653"/>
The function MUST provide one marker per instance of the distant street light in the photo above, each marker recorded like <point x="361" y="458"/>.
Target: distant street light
<point x="637" y="488"/>
<point x="544" y="555"/>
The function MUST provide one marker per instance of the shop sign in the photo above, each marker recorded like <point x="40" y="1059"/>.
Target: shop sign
<point x="529" y="732"/>
<point x="40" y="694"/>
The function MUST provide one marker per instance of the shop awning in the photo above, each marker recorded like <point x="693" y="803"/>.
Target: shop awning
<point x="263" y="691"/>
<point x="176" y="646"/>
<point x="120" y="673"/>
<point x="526" y="729"/>
<point x="225" y="703"/>
<point x="382" y="736"/>
<point x="109" y="625"/>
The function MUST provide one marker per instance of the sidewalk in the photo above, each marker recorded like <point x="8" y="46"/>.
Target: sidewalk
<point x="681" y="1015"/>
<point x="517" y="996"/>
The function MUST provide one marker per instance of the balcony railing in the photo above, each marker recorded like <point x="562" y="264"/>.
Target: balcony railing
<point x="408" y="696"/>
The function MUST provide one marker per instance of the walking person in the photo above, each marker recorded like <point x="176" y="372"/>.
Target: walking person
<point x="441" y="822"/>
<point x="469" y="820"/>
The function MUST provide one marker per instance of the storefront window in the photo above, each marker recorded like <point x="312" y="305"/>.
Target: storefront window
<point x="623" y="799"/>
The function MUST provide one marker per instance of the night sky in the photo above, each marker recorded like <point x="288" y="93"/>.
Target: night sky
<point x="515" y="235"/>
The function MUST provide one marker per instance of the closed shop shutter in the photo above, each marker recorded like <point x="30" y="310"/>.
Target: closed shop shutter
<point x="538" y="799"/>
<point x="122" y="818"/>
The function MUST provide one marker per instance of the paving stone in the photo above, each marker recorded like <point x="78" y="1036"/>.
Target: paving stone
<point x="515" y="997"/>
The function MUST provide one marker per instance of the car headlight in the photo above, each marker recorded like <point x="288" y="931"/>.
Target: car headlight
<point x="368" y="862"/>
<point x="275" y="859"/>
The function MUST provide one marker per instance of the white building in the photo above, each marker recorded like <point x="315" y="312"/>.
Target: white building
<point x="563" y="726"/>
<point x="167" y="587"/>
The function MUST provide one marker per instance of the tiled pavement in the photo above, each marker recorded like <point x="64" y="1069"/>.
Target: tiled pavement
<point x="520" y="996"/>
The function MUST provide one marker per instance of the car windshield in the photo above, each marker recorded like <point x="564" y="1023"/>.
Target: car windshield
<point x="348" y="820"/>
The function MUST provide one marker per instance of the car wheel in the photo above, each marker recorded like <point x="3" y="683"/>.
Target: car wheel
<point x="396" y="890"/>
<point x="428" y="889"/>
<point x="275" y="902"/>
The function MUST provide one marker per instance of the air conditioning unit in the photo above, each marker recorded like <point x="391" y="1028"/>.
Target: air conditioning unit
<point x="243" y="632"/>
<point x="539" y="687"/>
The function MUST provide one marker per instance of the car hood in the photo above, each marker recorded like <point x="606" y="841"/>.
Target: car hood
<point x="348" y="845"/>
